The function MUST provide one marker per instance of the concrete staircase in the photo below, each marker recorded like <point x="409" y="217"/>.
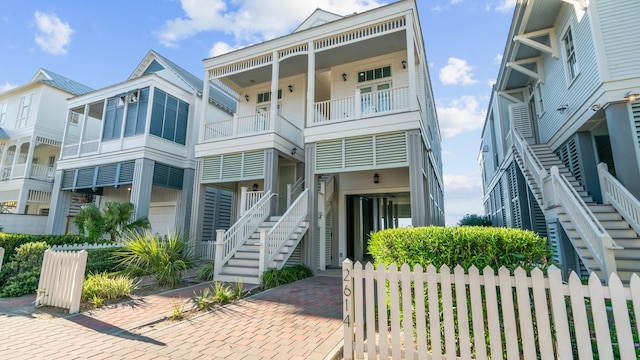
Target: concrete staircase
<point x="244" y="264"/>
<point x="628" y="259"/>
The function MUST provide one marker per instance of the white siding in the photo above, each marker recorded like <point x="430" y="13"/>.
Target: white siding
<point x="618" y="26"/>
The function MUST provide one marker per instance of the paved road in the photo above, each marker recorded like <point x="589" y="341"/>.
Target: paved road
<point x="296" y="321"/>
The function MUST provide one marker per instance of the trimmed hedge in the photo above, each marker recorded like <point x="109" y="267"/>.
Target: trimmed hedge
<point x="11" y="241"/>
<point x="103" y="260"/>
<point x="463" y="245"/>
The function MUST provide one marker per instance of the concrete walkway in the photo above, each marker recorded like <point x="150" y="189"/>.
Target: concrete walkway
<point x="295" y="321"/>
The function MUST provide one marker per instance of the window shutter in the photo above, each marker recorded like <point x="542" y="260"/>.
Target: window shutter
<point x="521" y="120"/>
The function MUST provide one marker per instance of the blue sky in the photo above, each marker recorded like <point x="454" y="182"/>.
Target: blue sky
<point x="100" y="43"/>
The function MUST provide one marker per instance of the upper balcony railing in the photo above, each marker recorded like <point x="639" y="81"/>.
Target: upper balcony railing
<point x="361" y="105"/>
<point x="37" y="172"/>
<point x="255" y="124"/>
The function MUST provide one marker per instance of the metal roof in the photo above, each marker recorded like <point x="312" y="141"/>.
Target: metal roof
<point x="62" y="82"/>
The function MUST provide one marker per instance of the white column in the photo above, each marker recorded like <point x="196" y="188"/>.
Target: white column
<point x="416" y="180"/>
<point x="275" y="74"/>
<point x="311" y="83"/>
<point x="16" y="156"/>
<point x="82" y="129"/>
<point x="271" y="177"/>
<point x="141" y="188"/>
<point x="183" y="207"/>
<point x="197" y="210"/>
<point x="205" y="105"/>
<point x="411" y="64"/>
<point x="59" y="206"/>
<point x="310" y="240"/>
<point x="29" y="160"/>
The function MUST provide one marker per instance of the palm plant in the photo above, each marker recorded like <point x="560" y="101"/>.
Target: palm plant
<point x="114" y="219"/>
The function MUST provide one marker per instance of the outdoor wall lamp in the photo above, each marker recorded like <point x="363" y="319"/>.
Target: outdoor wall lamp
<point x="376" y="178"/>
<point x="404" y="64"/>
<point x="255" y="187"/>
<point x="344" y="77"/>
<point x="595" y="107"/>
<point x="562" y="108"/>
<point x="246" y="97"/>
<point x="631" y="96"/>
<point x="290" y="88"/>
<point x="293" y="151"/>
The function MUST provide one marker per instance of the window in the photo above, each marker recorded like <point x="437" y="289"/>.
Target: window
<point x="264" y="97"/>
<point x="51" y="161"/>
<point x="113" y="117"/>
<point x="137" y="112"/>
<point x="570" y="60"/>
<point x="23" y="112"/>
<point x="74" y="117"/>
<point x="374" y="74"/>
<point x="3" y="112"/>
<point x="539" y="100"/>
<point x="169" y="117"/>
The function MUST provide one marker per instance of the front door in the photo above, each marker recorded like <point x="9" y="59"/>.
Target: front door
<point x="375" y="98"/>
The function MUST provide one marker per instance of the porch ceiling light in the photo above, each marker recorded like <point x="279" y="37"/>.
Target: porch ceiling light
<point x="376" y="178"/>
<point x="290" y="88"/>
<point x="404" y="64"/>
<point x="294" y="150"/>
<point x="246" y="97"/>
<point x="255" y="187"/>
<point x="344" y="77"/>
<point x="562" y="108"/>
<point x="631" y="96"/>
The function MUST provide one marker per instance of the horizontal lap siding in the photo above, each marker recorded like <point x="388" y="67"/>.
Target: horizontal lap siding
<point x="556" y="90"/>
<point x="618" y="19"/>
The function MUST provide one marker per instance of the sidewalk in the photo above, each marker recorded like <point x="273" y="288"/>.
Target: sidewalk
<point x="295" y="321"/>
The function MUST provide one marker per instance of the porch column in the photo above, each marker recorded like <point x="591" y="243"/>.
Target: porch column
<point x="16" y="156"/>
<point x="411" y="63"/>
<point x="622" y="136"/>
<point x="141" y="188"/>
<point x="59" y="207"/>
<point x="3" y="161"/>
<point x="310" y="248"/>
<point x="271" y="177"/>
<point x="197" y="210"/>
<point x="183" y="207"/>
<point x="29" y="160"/>
<point x="416" y="179"/>
<point x="205" y="106"/>
<point x="275" y="74"/>
<point x="311" y="83"/>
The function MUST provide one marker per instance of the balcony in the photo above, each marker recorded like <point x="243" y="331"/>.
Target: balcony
<point x="251" y="125"/>
<point x="361" y="105"/>
<point x="37" y="172"/>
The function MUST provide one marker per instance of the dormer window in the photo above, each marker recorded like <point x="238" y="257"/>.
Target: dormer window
<point x="374" y="74"/>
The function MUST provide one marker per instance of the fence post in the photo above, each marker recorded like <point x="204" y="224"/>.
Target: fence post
<point x="347" y="311"/>
<point x="288" y="195"/>
<point x="1" y="257"/>
<point x="217" y="265"/>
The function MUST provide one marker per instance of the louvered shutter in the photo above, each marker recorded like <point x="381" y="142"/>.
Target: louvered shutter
<point x="521" y="119"/>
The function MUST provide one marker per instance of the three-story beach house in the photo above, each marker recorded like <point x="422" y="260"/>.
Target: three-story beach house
<point x="31" y="123"/>
<point x="335" y="135"/>
<point x="134" y="142"/>
<point x="560" y="149"/>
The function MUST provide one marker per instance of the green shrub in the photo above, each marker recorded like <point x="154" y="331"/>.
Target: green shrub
<point x="164" y="257"/>
<point x="102" y="260"/>
<point x="10" y="242"/>
<point x="463" y="245"/>
<point x="205" y="273"/>
<point x="21" y="275"/>
<point x="274" y="277"/>
<point x="475" y="220"/>
<point x="105" y="286"/>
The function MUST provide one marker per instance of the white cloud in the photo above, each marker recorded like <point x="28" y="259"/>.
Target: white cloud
<point x="6" y="87"/>
<point x="53" y="35"/>
<point x="220" y="48"/>
<point x="505" y="5"/>
<point x="491" y="82"/>
<point x="497" y="59"/>
<point x="457" y="71"/>
<point x="250" y="21"/>
<point x="463" y="195"/>
<point x="463" y="114"/>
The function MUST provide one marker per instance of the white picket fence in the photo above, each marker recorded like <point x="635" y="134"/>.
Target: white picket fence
<point x="474" y="316"/>
<point x="61" y="279"/>
<point x="1" y="257"/>
<point x="85" y="246"/>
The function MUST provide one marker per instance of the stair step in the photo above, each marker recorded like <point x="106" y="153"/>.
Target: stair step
<point x="240" y="270"/>
<point x="616" y="234"/>
<point x="606" y="216"/>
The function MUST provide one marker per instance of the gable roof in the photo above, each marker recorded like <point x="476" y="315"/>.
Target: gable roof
<point x="156" y="63"/>
<point x="60" y="82"/>
<point x="318" y="17"/>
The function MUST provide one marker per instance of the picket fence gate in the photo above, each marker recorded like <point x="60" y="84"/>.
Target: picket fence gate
<point x="522" y="317"/>
<point x="61" y="279"/>
<point x="1" y="256"/>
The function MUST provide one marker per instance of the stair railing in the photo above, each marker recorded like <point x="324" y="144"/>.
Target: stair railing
<point x="271" y="242"/>
<point x="619" y="197"/>
<point x="294" y="190"/>
<point x="228" y="242"/>
<point x="531" y="162"/>
<point x="600" y="244"/>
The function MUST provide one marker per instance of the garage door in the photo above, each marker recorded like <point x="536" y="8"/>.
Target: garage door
<point x="162" y="219"/>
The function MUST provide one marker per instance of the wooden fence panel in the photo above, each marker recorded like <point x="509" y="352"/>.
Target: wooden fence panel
<point x="621" y="316"/>
<point x="421" y="317"/>
<point x="493" y="317"/>
<point x="61" y="279"/>
<point x="542" y="315"/>
<point x="407" y="319"/>
<point x="600" y="322"/>
<point x="477" y="315"/>
<point x="1" y="257"/>
<point x="463" y="313"/>
<point x="383" y="329"/>
<point x="395" y="312"/>
<point x="370" y="309"/>
<point x="434" y="312"/>
<point x="358" y="310"/>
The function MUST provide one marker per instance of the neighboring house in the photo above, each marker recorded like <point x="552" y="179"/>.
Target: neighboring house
<point x="31" y="125"/>
<point x="566" y="99"/>
<point x="134" y="141"/>
<point x="339" y="115"/>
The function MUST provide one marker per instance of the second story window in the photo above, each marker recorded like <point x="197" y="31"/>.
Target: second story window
<point x="571" y="63"/>
<point x="23" y="112"/>
<point x="374" y="74"/>
<point x="3" y="112"/>
<point x="169" y="117"/>
<point x="113" y="117"/>
<point x="266" y="96"/>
